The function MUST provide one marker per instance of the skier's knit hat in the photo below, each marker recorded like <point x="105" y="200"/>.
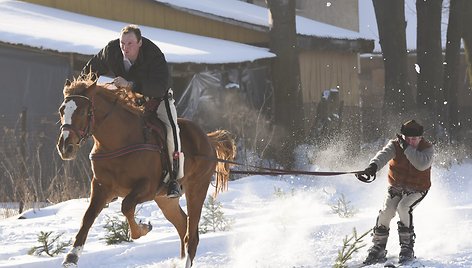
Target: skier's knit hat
<point x="411" y="129"/>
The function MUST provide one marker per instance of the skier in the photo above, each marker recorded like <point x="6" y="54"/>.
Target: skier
<point x="409" y="157"/>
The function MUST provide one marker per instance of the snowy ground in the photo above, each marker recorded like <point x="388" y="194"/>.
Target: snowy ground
<point x="298" y="229"/>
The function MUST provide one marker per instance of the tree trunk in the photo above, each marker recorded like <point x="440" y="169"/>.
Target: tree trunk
<point x="430" y="61"/>
<point x="451" y="68"/>
<point x="286" y="77"/>
<point x="467" y="37"/>
<point x="391" y="23"/>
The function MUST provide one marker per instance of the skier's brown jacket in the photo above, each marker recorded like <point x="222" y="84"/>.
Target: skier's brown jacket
<point x="409" y="169"/>
<point x="403" y="174"/>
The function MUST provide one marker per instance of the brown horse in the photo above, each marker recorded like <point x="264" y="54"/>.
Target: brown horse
<point x="128" y="162"/>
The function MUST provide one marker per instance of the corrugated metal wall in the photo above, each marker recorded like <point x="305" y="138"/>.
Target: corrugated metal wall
<point x="321" y="70"/>
<point x="31" y="90"/>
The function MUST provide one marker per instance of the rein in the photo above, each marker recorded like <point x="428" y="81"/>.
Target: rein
<point x="276" y="172"/>
<point x="125" y="150"/>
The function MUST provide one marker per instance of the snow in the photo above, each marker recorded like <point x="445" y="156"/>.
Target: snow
<point x="54" y="29"/>
<point x="244" y="12"/>
<point x="277" y="222"/>
<point x="297" y="229"/>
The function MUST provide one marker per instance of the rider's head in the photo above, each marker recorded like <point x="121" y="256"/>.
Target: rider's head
<point x="412" y="132"/>
<point x="130" y="42"/>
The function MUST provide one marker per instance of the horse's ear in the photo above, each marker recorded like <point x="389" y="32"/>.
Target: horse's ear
<point x="67" y="83"/>
<point x="93" y="84"/>
<point x="92" y="77"/>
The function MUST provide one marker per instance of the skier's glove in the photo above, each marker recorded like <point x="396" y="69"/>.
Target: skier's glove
<point x="365" y="175"/>
<point x="402" y="141"/>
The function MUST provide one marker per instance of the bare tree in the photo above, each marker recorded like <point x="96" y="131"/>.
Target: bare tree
<point x="391" y="23"/>
<point x="452" y="59"/>
<point x="430" y="97"/>
<point x="286" y="76"/>
<point x="467" y="36"/>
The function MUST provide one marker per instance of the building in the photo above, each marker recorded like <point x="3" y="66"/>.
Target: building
<point x="328" y="55"/>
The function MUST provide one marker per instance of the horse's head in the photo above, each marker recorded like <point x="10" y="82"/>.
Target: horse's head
<point x="76" y="118"/>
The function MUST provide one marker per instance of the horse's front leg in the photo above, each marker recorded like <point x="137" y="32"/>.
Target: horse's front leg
<point x="98" y="199"/>
<point x="140" y="193"/>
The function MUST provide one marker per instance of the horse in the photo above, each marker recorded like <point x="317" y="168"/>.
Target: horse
<point x="130" y="163"/>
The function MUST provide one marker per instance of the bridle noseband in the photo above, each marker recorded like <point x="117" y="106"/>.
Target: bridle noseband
<point x="85" y="133"/>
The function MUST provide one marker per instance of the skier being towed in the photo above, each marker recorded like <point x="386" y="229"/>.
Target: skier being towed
<point x="409" y="176"/>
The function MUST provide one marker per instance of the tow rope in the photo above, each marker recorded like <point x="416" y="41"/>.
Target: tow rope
<point x="360" y="175"/>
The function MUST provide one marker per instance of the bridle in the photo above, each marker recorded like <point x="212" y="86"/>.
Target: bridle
<point x="85" y="133"/>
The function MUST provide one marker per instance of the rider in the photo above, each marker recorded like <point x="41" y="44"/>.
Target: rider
<point x="138" y="65"/>
<point x="409" y="157"/>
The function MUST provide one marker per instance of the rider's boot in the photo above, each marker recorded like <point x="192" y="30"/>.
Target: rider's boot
<point x="377" y="252"/>
<point x="173" y="187"/>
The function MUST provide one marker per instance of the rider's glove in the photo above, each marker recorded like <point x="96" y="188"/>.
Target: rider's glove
<point x="120" y="82"/>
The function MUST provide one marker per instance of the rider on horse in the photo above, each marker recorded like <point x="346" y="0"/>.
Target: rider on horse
<point x="139" y="66"/>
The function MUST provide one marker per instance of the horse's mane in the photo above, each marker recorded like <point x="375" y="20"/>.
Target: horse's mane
<point x="80" y="85"/>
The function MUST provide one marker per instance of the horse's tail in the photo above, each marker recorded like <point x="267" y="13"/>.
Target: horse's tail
<point x="225" y="148"/>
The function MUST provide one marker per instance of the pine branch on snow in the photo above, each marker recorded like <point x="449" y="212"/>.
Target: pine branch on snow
<point x="51" y="247"/>
<point x="350" y="246"/>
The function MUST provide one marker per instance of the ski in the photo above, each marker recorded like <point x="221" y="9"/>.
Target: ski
<point x="390" y="264"/>
<point x="380" y="262"/>
<point x="411" y="264"/>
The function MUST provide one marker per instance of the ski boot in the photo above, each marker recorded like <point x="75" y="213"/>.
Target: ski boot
<point x="406" y="254"/>
<point x="377" y="252"/>
<point x="407" y="241"/>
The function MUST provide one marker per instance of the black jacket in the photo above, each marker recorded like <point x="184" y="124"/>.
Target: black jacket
<point x="149" y="73"/>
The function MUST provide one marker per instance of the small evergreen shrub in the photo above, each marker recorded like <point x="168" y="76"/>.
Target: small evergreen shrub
<point x="50" y="246"/>
<point x="280" y="193"/>
<point x="213" y="218"/>
<point x="343" y="208"/>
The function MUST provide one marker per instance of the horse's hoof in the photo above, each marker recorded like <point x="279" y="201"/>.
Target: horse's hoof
<point x="147" y="227"/>
<point x="188" y="262"/>
<point x="69" y="265"/>
<point x="143" y="229"/>
<point x="70" y="260"/>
